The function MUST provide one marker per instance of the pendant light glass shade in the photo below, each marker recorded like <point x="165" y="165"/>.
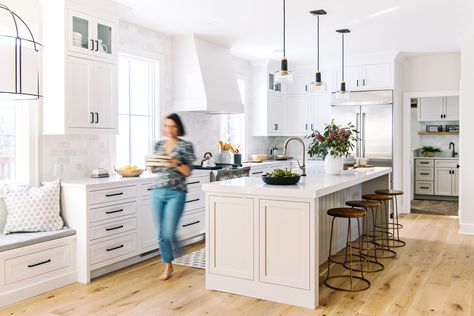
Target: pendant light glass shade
<point x="318" y="84"/>
<point x="20" y="62"/>
<point x="284" y="75"/>
<point x="343" y="93"/>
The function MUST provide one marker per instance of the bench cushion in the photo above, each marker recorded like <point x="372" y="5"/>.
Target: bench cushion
<point x="17" y="240"/>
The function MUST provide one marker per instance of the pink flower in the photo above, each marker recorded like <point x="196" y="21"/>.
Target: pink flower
<point x="332" y="135"/>
<point x="320" y="138"/>
<point x="348" y="133"/>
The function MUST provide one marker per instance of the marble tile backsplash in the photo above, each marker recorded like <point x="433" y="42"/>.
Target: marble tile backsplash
<point x="74" y="156"/>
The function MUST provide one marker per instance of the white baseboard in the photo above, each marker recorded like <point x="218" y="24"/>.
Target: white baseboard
<point x="20" y="294"/>
<point x="466" y="229"/>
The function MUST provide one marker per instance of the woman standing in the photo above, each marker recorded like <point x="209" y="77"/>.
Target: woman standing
<point x="170" y="193"/>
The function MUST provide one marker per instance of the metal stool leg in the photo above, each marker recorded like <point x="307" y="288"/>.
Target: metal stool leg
<point x="387" y="253"/>
<point x="396" y="226"/>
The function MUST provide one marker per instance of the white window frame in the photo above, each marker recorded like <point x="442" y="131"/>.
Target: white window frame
<point x="155" y="110"/>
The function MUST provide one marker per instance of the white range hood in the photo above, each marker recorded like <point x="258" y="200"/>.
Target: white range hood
<point x="204" y="79"/>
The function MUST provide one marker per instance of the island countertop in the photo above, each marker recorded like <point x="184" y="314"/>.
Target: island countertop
<point x="315" y="184"/>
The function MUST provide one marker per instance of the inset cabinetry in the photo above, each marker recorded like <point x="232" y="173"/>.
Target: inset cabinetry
<point x="436" y="177"/>
<point x="438" y="109"/>
<point x="81" y="84"/>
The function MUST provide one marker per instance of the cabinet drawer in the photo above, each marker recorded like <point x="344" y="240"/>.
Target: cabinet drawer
<point x="424" y="174"/>
<point x="194" y="201"/>
<point x="35" y="264"/>
<point x="446" y="163"/>
<point x="111" y="195"/>
<point x="113" y="211"/>
<point x="113" y="248"/>
<point x="146" y="189"/>
<point x="424" y="163"/>
<point x="113" y="228"/>
<point x="424" y="188"/>
<point x="191" y="225"/>
<point x="196" y="183"/>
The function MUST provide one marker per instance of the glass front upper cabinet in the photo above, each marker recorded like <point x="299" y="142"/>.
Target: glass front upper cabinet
<point x="81" y="37"/>
<point x="105" y="37"/>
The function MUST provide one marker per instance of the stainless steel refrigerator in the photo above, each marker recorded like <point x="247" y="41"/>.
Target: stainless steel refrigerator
<point x="372" y="114"/>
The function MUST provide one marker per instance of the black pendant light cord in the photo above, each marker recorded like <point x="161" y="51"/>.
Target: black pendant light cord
<point x="284" y="29"/>
<point x="342" y="57"/>
<point x="318" y="42"/>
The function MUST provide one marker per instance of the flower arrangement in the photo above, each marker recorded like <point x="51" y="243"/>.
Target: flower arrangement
<point x="335" y="140"/>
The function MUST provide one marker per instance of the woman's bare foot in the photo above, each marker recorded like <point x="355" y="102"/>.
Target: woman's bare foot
<point x="167" y="273"/>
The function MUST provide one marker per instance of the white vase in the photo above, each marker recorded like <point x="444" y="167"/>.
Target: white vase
<point x="226" y="157"/>
<point x="333" y="165"/>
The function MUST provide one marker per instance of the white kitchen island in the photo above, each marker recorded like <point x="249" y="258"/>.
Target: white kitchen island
<point x="268" y="241"/>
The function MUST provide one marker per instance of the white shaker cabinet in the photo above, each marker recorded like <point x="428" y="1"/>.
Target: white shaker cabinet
<point x="443" y="181"/>
<point x="80" y="86"/>
<point x="366" y="77"/>
<point x="301" y="83"/>
<point x="438" y="109"/>
<point x="297" y="115"/>
<point x="275" y="114"/>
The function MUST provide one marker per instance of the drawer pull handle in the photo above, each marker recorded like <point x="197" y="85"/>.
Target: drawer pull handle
<point x="193" y="223"/>
<point x="424" y="162"/>
<point x="116" y="211"/>
<point x="150" y="189"/>
<point x="195" y="182"/>
<point x="190" y="201"/>
<point x="39" y="263"/>
<point x="114" y="194"/>
<point x="258" y="172"/>
<point x="424" y="174"/>
<point x="425" y="188"/>
<point x="114" y="248"/>
<point x="114" y="228"/>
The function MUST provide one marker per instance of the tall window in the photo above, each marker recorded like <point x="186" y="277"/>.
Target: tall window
<point x="138" y="109"/>
<point x="232" y="126"/>
<point x="18" y="142"/>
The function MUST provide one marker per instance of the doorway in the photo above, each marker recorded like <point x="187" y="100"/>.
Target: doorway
<point x="431" y="152"/>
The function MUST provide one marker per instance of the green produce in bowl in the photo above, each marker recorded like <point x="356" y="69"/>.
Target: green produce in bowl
<point x="281" y="173"/>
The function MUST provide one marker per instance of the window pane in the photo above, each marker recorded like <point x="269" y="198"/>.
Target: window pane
<point x="140" y="139"/>
<point x="7" y="143"/>
<point x="124" y="85"/>
<point x="139" y="87"/>
<point x="122" y="147"/>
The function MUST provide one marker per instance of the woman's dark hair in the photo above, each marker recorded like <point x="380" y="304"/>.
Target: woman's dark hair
<point x="177" y="120"/>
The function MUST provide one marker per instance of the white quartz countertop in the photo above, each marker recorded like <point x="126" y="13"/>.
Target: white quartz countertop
<point x="439" y="158"/>
<point x="117" y="179"/>
<point x="314" y="185"/>
<point x="266" y="163"/>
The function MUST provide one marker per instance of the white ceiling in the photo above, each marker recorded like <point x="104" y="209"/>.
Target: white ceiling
<point x="253" y="28"/>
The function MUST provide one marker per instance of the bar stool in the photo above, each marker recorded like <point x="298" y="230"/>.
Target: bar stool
<point x="356" y="283"/>
<point x="387" y="253"/>
<point x="367" y="238"/>
<point x="395" y="241"/>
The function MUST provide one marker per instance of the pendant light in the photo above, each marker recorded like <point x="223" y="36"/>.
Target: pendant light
<point x="283" y="75"/>
<point x="318" y="84"/>
<point x="343" y="94"/>
<point x="20" y="62"/>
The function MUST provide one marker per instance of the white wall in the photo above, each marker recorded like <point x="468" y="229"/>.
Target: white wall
<point x="466" y="204"/>
<point x="432" y="72"/>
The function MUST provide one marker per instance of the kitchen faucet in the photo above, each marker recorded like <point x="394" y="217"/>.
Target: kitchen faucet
<point x="303" y="166"/>
<point x="453" y="153"/>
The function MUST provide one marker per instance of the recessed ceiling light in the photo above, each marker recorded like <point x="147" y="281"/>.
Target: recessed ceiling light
<point x="386" y="11"/>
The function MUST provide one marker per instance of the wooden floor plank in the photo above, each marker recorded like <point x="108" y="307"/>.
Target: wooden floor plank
<point x="432" y="275"/>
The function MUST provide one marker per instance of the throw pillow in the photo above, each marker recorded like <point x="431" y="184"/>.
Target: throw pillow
<point x="33" y="209"/>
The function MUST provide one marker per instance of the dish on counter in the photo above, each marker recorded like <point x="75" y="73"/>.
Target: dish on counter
<point x="129" y="171"/>
<point x="281" y="177"/>
<point x="260" y="157"/>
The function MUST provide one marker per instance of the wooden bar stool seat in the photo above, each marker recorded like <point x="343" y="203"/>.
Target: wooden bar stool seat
<point x="355" y="283"/>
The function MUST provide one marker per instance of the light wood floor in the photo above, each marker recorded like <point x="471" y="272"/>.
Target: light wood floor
<point x="433" y="274"/>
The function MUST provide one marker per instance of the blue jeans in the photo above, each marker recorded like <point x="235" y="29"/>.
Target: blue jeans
<point x="168" y="206"/>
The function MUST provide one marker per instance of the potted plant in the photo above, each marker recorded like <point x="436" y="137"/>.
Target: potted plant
<point x="333" y="144"/>
<point x="430" y="151"/>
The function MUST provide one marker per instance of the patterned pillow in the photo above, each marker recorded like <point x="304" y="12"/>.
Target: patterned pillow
<point x="33" y="209"/>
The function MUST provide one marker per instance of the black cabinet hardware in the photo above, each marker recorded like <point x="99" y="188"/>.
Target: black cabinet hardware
<point x="114" y="228"/>
<point x="92" y="46"/>
<point x="96" y="45"/>
<point x="116" y="211"/>
<point x="276" y="127"/>
<point x="363" y="82"/>
<point x="458" y="166"/>
<point x="424" y="188"/>
<point x="306" y="127"/>
<point x="39" y="263"/>
<point x="312" y="126"/>
<point x="96" y="117"/>
<point x="114" y="248"/>
<point x="193" y="223"/>
<point x="257" y="172"/>
<point x="150" y="189"/>
<point x="424" y="174"/>
<point x="424" y="162"/>
<point x="114" y="194"/>
<point x="194" y="182"/>
<point x="190" y="201"/>
<point x="92" y="117"/>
